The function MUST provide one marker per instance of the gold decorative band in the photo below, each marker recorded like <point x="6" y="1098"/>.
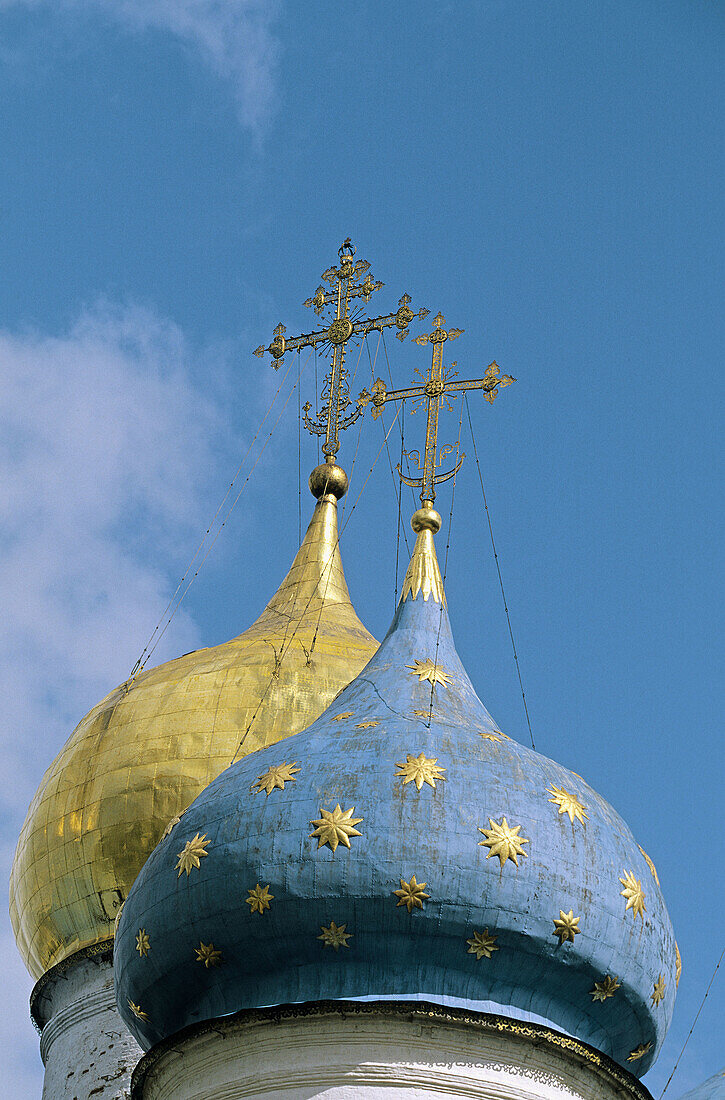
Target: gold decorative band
<point x="413" y="1010"/>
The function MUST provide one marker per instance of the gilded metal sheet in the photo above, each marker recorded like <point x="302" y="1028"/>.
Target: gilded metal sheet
<point x="146" y="751"/>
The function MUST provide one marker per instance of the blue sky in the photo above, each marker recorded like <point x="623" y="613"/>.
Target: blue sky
<point x="176" y="176"/>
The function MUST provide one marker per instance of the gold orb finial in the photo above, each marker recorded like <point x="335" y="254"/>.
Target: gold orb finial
<point x="426" y="519"/>
<point x="328" y="479"/>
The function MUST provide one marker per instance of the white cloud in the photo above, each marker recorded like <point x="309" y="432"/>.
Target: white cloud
<point x="106" y="449"/>
<point x="234" y="37"/>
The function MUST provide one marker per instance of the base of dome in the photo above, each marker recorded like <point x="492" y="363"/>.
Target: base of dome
<point x="87" y="1050"/>
<point x="379" y="1050"/>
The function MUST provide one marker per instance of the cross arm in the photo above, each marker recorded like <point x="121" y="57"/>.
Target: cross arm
<point x="381" y="394"/>
<point x="401" y="318"/>
<point x="280" y="345"/>
<point x="324" y="297"/>
<point x="491" y="380"/>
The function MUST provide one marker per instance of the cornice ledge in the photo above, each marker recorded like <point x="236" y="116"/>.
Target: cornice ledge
<point x="101" y="952"/>
<point x="489" y="1022"/>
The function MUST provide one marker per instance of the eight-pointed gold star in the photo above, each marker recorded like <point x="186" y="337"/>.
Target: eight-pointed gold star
<point x="411" y="894"/>
<point x="606" y="988"/>
<point x="678" y="965"/>
<point x="503" y="841"/>
<point x="208" y="954"/>
<point x="429" y="670"/>
<point x="335" y="936"/>
<point x="419" y="770"/>
<point x="143" y="943"/>
<point x="568" y="803"/>
<point x="191" y="855"/>
<point x="658" y="990"/>
<point x="634" y="894"/>
<point x="345" y="714"/>
<point x="276" y="776"/>
<point x="482" y="945"/>
<point x="566" y="926"/>
<point x="639" y="1052"/>
<point x="137" y="1010"/>
<point x="426" y="714"/>
<point x="491" y="737"/>
<point x="367" y="724"/>
<point x="259" y="899"/>
<point x="335" y="827"/>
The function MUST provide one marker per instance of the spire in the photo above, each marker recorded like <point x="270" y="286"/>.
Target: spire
<point x="424" y="575"/>
<point x="315" y="587"/>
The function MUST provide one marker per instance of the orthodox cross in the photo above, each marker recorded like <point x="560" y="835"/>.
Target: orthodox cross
<point x="345" y="285"/>
<point x="435" y="391"/>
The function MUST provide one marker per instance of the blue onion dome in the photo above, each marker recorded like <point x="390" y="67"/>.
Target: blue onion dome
<point x="403" y="846"/>
<point x="712" y="1089"/>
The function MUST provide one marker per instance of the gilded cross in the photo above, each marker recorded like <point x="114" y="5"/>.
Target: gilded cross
<point x="346" y="283"/>
<point x="438" y="389"/>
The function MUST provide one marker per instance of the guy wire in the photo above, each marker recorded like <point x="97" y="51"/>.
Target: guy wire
<point x="317" y="406"/>
<point x="284" y="639"/>
<point x="712" y="979"/>
<point x="311" y="597"/>
<point x="390" y="376"/>
<point x="445" y="569"/>
<point x="145" y="651"/>
<point x="352" y="384"/>
<point x="387" y="449"/>
<point x="498" y="570"/>
<point x="218" y="531"/>
<point x="352" y="472"/>
<point x="344" y="525"/>
<point x="400" y="498"/>
<point x="299" y="449"/>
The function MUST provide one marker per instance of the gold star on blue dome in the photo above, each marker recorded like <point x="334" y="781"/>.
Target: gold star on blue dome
<point x="504" y="841"/>
<point x="335" y="827"/>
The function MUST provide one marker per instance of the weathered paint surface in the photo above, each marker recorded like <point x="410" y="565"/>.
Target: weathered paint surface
<point x="86" y="1047"/>
<point x="433" y="833"/>
<point x="382" y="1053"/>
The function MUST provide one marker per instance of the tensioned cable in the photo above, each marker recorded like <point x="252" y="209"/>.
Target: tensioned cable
<point x="145" y="652"/>
<point x="390" y="376"/>
<point x="299" y="450"/>
<point x="287" y="625"/>
<point x="445" y="569"/>
<point x="317" y="404"/>
<point x="498" y="570"/>
<point x="327" y="565"/>
<point x="221" y="526"/>
<point x="396" y="481"/>
<point x="712" y="979"/>
<point x="359" y="430"/>
<point x="344" y="525"/>
<point x="352" y="472"/>
<point x="400" y="500"/>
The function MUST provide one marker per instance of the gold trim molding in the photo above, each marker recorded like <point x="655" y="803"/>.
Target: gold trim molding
<point x="538" y="1034"/>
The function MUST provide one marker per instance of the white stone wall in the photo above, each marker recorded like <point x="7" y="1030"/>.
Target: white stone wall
<point x="87" y="1051"/>
<point x="330" y="1056"/>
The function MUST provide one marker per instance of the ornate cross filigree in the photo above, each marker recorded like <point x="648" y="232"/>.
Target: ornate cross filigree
<point x="343" y="325"/>
<point x="435" y="391"/>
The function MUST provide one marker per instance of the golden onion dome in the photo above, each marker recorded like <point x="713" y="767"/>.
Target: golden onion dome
<point x="140" y="757"/>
